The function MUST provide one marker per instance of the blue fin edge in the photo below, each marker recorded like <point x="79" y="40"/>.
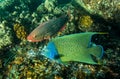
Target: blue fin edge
<point x="96" y="45"/>
<point x="102" y="50"/>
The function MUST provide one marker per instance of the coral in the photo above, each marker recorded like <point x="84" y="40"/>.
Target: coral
<point x="19" y="12"/>
<point x="5" y="35"/>
<point x="20" y="31"/>
<point x="22" y="67"/>
<point x="41" y="8"/>
<point x="50" y="5"/>
<point x="57" y="10"/>
<point x="3" y="4"/>
<point x="85" y="22"/>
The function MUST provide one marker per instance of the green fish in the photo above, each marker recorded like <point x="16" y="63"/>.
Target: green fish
<point x="74" y="47"/>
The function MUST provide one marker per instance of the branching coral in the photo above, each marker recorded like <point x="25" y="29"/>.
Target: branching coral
<point x="20" y="31"/>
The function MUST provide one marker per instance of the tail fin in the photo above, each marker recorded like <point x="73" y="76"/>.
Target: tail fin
<point x="97" y="51"/>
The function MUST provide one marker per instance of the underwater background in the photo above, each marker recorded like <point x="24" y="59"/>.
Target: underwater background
<point x="21" y="59"/>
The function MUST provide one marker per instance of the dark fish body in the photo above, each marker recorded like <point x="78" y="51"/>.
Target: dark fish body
<point x="47" y="29"/>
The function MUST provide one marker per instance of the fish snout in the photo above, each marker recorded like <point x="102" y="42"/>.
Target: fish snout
<point x="30" y="38"/>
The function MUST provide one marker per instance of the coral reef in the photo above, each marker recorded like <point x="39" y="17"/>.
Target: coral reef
<point x="5" y="35"/>
<point x="20" y="31"/>
<point x="23" y="67"/>
<point x="85" y="15"/>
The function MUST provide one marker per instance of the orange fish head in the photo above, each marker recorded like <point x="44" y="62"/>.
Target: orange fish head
<point x="31" y="38"/>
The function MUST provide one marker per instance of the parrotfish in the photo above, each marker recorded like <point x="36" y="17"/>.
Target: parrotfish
<point x="46" y="30"/>
<point x="75" y="47"/>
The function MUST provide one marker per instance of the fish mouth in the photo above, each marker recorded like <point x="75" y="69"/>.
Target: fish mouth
<point x="30" y="40"/>
<point x="33" y="40"/>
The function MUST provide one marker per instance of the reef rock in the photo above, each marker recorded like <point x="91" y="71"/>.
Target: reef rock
<point x="104" y="8"/>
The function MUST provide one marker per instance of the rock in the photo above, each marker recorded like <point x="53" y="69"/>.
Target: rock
<point x="104" y="8"/>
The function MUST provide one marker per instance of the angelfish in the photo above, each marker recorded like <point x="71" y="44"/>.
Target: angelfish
<point x="75" y="47"/>
<point x="46" y="30"/>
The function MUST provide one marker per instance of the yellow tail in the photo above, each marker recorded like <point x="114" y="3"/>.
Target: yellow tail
<point x="103" y="33"/>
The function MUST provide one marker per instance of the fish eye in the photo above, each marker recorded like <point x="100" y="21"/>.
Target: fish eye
<point x="34" y="36"/>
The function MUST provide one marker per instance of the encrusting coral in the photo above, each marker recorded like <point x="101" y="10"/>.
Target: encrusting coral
<point x="20" y="31"/>
<point x="5" y="35"/>
<point x="85" y="23"/>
